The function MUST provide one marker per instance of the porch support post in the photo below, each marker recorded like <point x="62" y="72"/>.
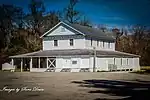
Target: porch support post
<point x="30" y="63"/>
<point x="21" y="64"/>
<point x="47" y="62"/>
<point x="39" y="62"/>
<point x="12" y="62"/>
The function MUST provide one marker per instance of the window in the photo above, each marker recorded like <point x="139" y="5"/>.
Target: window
<point x="55" y="42"/>
<point x="42" y="63"/>
<point x="103" y="44"/>
<point x="114" y="61"/>
<point x="71" y="42"/>
<point x="121" y="61"/>
<point x="63" y="29"/>
<point x="127" y="61"/>
<point x="91" y="42"/>
<point x="34" y="63"/>
<point x="109" y="45"/>
<point x="74" y="62"/>
<point x="97" y="43"/>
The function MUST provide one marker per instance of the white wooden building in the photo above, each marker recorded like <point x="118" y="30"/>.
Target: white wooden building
<point x="76" y="48"/>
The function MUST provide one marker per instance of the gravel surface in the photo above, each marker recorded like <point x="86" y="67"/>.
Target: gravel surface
<point x="74" y="86"/>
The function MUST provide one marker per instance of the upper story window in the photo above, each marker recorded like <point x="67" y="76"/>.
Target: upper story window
<point x="91" y="42"/>
<point x="63" y="29"/>
<point x="127" y="61"/>
<point x="109" y="45"/>
<point x="121" y="62"/>
<point x="55" y="42"/>
<point x="71" y="42"/>
<point x="103" y="44"/>
<point x="97" y="43"/>
<point x="114" y="61"/>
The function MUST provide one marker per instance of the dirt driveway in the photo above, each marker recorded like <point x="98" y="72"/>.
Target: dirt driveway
<point x="74" y="86"/>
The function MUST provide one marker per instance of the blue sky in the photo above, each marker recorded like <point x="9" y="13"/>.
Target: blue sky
<point x="109" y="12"/>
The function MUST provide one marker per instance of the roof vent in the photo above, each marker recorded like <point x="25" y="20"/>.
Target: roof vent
<point x="63" y="29"/>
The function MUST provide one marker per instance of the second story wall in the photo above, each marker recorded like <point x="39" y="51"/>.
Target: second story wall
<point x="63" y="36"/>
<point x="67" y="42"/>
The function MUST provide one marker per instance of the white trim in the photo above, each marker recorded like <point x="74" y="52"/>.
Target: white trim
<point x="51" y="62"/>
<point x="31" y="63"/>
<point x="59" y="24"/>
<point x="21" y="64"/>
<point x="50" y="29"/>
<point x="12" y="62"/>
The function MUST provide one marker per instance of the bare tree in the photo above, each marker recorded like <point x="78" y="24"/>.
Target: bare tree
<point x="37" y="10"/>
<point x="49" y="21"/>
<point x="10" y="19"/>
<point x="135" y="43"/>
<point x="85" y="22"/>
<point x="102" y="27"/>
<point x="72" y="15"/>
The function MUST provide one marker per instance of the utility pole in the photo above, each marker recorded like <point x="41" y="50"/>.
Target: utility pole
<point x="21" y="65"/>
<point x="94" y="59"/>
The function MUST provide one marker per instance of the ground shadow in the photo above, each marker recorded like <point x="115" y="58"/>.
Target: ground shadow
<point x="133" y="90"/>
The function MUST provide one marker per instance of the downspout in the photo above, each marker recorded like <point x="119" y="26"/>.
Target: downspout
<point x="94" y="60"/>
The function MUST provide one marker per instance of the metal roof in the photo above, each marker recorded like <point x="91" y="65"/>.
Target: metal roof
<point x="75" y="53"/>
<point x="93" y="32"/>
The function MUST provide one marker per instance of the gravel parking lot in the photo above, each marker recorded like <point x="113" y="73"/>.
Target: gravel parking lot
<point x="74" y="86"/>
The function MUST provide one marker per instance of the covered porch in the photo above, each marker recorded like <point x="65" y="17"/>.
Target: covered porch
<point x="74" y="60"/>
<point x="34" y="64"/>
<point x="51" y="60"/>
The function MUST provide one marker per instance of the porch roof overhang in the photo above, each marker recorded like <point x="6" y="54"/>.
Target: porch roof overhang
<point x="75" y="53"/>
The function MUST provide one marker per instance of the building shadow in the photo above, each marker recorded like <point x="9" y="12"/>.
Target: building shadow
<point x="133" y="90"/>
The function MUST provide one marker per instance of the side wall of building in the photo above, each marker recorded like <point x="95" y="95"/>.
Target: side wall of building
<point x="117" y="64"/>
<point x="75" y="63"/>
<point x="100" y="45"/>
<point x="136" y="64"/>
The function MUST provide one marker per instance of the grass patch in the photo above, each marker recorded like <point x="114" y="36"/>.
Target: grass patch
<point x="17" y="70"/>
<point x="145" y="67"/>
<point x="144" y="70"/>
<point x="5" y="71"/>
<point x="139" y="72"/>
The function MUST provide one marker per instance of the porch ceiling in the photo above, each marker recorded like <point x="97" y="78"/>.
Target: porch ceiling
<point x="74" y="53"/>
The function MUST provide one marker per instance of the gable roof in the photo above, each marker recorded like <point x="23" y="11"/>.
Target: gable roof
<point x="84" y="30"/>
